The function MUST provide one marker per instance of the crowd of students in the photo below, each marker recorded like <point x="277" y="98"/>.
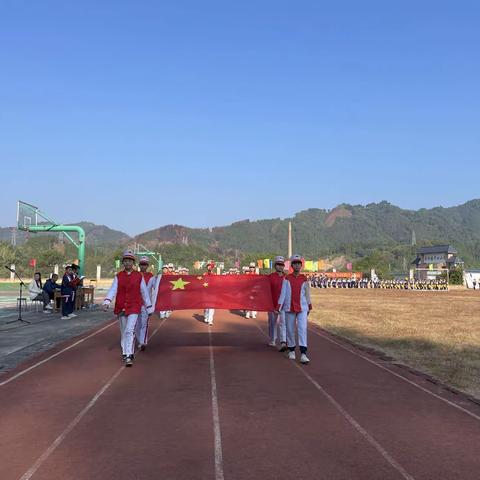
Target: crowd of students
<point x="322" y="281"/>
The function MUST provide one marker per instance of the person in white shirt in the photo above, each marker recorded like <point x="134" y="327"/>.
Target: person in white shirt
<point x="36" y="292"/>
<point x="130" y="292"/>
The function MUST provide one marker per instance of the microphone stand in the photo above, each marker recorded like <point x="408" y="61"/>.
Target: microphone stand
<point x="19" y="319"/>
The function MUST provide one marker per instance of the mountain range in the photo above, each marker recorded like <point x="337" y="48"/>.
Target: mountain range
<point x="354" y="230"/>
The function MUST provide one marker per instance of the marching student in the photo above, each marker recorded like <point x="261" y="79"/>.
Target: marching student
<point x="141" y="330"/>
<point x="165" y="271"/>
<point x="131" y="292"/>
<point x="208" y="313"/>
<point x="295" y="301"/>
<point x="252" y="270"/>
<point x="171" y="271"/>
<point x="274" y="331"/>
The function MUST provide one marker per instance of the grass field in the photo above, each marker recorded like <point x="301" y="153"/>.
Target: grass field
<point x="435" y="332"/>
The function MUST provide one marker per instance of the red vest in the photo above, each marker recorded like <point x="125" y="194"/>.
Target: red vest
<point x="296" y="284"/>
<point x="147" y="276"/>
<point x="129" y="295"/>
<point x="276" y="282"/>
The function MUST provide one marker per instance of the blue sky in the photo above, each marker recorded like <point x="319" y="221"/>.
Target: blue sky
<point x="137" y="114"/>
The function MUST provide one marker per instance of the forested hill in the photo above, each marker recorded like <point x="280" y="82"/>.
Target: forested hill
<point x="352" y="229"/>
<point x="349" y="231"/>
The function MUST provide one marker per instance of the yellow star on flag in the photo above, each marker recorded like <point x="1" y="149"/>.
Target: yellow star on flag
<point x="205" y="284"/>
<point x="199" y="278"/>
<point x="179" y="284"/>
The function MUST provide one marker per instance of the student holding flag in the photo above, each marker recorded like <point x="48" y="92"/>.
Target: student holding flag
<point x="141" y="329"/>
<point x="252" y="270"/>
<point x="209" y="312"/>
<point x="276" y="320"/>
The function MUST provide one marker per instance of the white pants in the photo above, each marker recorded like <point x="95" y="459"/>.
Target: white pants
<point x="251" y="314"/>
<point x="208" y="315"/>
<point x="127" y="332"/>
<point x="300" y="320"/>
<point x="277" y="327"/>
<point x="141" y="330"/>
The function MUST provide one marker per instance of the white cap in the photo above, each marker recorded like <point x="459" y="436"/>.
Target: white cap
<point x="252" y="264"/>
<point x="128" y="254"/>
<point x="144" y="259"/>
<point x="170" y="265"/>
<point x="279" y="259"/>
<point x="296" y="258"/>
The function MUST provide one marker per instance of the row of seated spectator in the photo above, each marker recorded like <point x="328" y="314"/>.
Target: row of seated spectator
<point x="45" y="293"/>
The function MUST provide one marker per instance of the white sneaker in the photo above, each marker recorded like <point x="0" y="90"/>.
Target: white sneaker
<point x="48" y="307"/>
<point x="291" y="355"/>
<point x="210" y="323"/>
<point x="304" y="359"/>
<point x="47" y="311"/>
<point x="64" y="318"/>
<point x="71" y="315"/>
<point x="272" y="344"/>
<point x="247" y="315"/>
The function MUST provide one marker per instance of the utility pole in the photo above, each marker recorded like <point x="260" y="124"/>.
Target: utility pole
<point x="289" y="239"/>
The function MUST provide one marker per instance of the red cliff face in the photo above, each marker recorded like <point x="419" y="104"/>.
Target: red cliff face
<point x="339" y="212"/>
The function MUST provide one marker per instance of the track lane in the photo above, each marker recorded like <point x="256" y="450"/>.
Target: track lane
<point x="155" y="421"/>
<point x="275" y="424"/>
<point x="428" y="437"/>
<point x="36" y="407"/>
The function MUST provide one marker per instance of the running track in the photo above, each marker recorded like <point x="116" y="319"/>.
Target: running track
<point x="219" y="404"/>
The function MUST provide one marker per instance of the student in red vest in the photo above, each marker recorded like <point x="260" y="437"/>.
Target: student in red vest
<point x="141" y="330"/>
<point x="276" y="320"/>
<point x="165" y="271"/>
<point x="295" y="301"/>
<point x="131" y="293"/>
<point x="208" y="313"/>
<point x="252" y="270"/>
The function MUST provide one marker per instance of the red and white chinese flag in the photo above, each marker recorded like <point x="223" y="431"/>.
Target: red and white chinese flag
<point x="233" y="292"/>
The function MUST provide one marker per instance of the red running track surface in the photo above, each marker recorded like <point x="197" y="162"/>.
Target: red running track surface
<point x="80" y="415"/>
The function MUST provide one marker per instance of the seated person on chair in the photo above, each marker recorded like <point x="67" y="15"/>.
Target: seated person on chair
<point x="37" y="293"/>
<point x="51" y="285"/>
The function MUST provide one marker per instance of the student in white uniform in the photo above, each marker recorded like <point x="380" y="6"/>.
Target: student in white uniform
<point x="141" y="330"/>
<point x="209" y="312"/>
<point x="130" y="292"/>
<point x="295" y="302"/>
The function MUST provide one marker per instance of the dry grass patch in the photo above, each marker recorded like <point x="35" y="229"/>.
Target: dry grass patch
<point x="436" y="332"/>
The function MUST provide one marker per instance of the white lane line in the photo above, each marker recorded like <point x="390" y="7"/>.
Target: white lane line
<point x="393" y="463"/>
<point x="56" y="443"/>
<point x="40" y="460"/>
<point x="23" y="372"/>
<point x="423" y="389"/>
<point x="216" y="417"/>
<point x="383" y="452"/>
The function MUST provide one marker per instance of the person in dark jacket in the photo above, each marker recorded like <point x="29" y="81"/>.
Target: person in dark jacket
<point x="69" y="285"/>
<point x="51" y="285"/>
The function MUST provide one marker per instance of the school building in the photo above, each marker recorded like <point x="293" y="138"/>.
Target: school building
<point x="432" y="261"/>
